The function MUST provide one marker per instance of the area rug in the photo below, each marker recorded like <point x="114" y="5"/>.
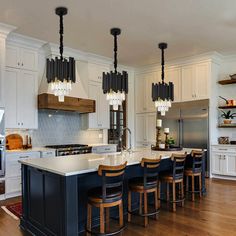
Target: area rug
<point x="14" y="210"/>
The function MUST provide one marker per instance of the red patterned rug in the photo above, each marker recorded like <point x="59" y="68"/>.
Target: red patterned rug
<point x="14" y="210"/>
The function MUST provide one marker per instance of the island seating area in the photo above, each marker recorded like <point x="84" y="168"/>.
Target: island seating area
<point x="55" y="190"/>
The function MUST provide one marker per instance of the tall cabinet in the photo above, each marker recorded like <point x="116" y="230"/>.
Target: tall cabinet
<point x="21" y="87"/>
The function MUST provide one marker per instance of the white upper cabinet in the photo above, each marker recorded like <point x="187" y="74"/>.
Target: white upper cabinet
<point x="140" y="131"/>
<point x="21" y="98"/>
<point x="174" y="75"/>
<point x="95" y="72"/>
<point x="101" y="118"/>
<point x="143" y="91"/>
<point x="195" y="81"/>
<point x="22" y="58"/>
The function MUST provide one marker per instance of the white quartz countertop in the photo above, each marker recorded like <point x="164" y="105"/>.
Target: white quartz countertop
<point x="86" y="163"/>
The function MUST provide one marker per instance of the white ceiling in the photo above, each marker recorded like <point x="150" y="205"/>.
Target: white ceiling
<point x="189" y="26"/>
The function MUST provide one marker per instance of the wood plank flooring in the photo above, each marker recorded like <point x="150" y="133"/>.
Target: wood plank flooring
<point x="214" y="215"/>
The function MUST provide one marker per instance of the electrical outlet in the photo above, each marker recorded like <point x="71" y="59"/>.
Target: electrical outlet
<point x="100" y="136"/>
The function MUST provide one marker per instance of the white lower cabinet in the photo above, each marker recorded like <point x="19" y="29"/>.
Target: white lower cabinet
<point x="145" y="129"/>
<point x="13" y="172"/>
<point x="223" y="161"/>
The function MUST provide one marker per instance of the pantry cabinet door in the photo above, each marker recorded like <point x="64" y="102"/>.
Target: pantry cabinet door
<point x="174" y="75"/>
<point x="202" y="81"/>
<point x="187" y="88"/>
<point x="149" y="79"/>
<point x="93" y="117"/>
<point x="151" y="127"/>
<point x="103" y="109"/>
<point x="140" y="93"/>
<point x="29" y="59"/>
<point x="140" y="131"/>
<point x="13" y="56"/>
<point x="216" y="163"/>
<point x="11" y="77"/>
<point x="27" y="90"/>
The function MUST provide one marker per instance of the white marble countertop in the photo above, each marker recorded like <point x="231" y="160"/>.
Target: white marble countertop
<point x="34" y="149"/>
<point x="85" y="163"/>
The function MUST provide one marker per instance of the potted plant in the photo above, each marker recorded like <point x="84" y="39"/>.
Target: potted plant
<point x="228" y="116"/>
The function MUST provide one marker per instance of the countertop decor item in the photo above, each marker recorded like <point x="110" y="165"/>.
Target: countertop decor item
<point x="115" y="84"/>
<point x="162" y="93"/>
<point x="14" y="141"/>
<point x="60" y="72"/>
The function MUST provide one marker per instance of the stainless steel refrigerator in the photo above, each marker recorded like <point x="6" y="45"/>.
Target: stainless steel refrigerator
<point x="188" y="123"/>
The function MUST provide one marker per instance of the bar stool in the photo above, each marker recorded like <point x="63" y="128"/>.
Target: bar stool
<point x="148" y="183"/>
<point x="175" y="177"/>
<point x="108" y="195"/>
<point x="195" y="171"/>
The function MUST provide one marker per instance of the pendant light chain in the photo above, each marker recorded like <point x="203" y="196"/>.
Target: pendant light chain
<point x="115" y="53"/>
<point x="162" y="65"/>
<point x="61" y="32"/>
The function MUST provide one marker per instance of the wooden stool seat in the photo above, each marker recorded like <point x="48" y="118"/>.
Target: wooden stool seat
<point x="108" y="195"/>
<point x="148" y="183"/>
<point x="195" y="171"/>
<point x="175" y="177"/>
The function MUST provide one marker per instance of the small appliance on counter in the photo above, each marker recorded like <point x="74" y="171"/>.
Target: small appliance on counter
<point x="104" y="148"/>
<point x="70" y="149"/>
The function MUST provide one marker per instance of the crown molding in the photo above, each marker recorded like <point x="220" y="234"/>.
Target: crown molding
<point x="6" y="29"/>
<point x="25" y="40"/>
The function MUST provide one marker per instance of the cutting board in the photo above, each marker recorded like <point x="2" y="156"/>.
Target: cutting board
<point x="14" y="141"/>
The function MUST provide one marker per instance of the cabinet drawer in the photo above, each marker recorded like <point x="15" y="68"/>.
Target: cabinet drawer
<point x="13" y="185"/>
<point x="13" y="169"/>
<point x="223" y="149"/>
<point x="48" y="154"/>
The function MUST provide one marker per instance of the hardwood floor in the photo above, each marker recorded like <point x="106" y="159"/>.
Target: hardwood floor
<point x="214" y="215"/>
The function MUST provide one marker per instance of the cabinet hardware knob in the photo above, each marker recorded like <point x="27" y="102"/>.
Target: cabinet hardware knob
<point x="18" y="63"/>
<point x="21" y="123"/>
<point x="22" y="64"/>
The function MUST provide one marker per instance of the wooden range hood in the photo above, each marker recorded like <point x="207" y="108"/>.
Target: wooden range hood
<point x="81" y="105"/>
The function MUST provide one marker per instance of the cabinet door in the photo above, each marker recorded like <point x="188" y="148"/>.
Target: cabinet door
<point x="13" y="56"/>
<point x="11" y="77"/>
<point x="151" y="127"/>
<point x="140" y="93"/>
<point x="95" y="72"/>
<point x="140" y="131"/>
<point x="231" y="164"/>
<point x="29" y="59"/>
<point x="149" y="79"/>
<point x="174" y="75"/>
<point x="93" y="117"/>
<point x="216" y="163"/>
<point x="202" y="81"/>
<point x="27" y="99"/>
<point x="187" y="83"/>
<point x="103" y="109"/>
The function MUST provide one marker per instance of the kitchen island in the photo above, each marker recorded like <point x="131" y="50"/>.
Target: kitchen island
<point x="54" y="190"/>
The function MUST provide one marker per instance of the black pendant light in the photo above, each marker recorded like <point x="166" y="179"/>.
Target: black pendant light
<point x="115" y="84"/>
<point x="162" y="93"/>
<point x="60" y="72"/>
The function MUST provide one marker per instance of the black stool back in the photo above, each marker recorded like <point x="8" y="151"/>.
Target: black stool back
<point x="112" y="179"/>
<point x="197" y="157"/>
<point x="178" y="165"/>
<point x="150" y="171"/>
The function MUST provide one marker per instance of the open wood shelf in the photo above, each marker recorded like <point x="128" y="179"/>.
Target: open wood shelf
<point x="227" y="126"/>
<point x="227" y="107"/>
<point x="228" y="81"/>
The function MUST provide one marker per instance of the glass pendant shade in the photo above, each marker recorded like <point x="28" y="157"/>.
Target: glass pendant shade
<point x="115" y="84"/>
<point x="60" y="72"/>
<point x="162" y="93"/>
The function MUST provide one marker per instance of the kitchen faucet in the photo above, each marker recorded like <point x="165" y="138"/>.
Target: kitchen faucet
<point x="121" y="140"/>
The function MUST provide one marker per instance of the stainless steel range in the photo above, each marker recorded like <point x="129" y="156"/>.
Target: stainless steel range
<point x="71" y="149"/>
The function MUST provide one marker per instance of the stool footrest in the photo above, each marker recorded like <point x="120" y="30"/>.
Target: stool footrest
<point x="143" y="215"/>
<point x="106" y="234"/>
